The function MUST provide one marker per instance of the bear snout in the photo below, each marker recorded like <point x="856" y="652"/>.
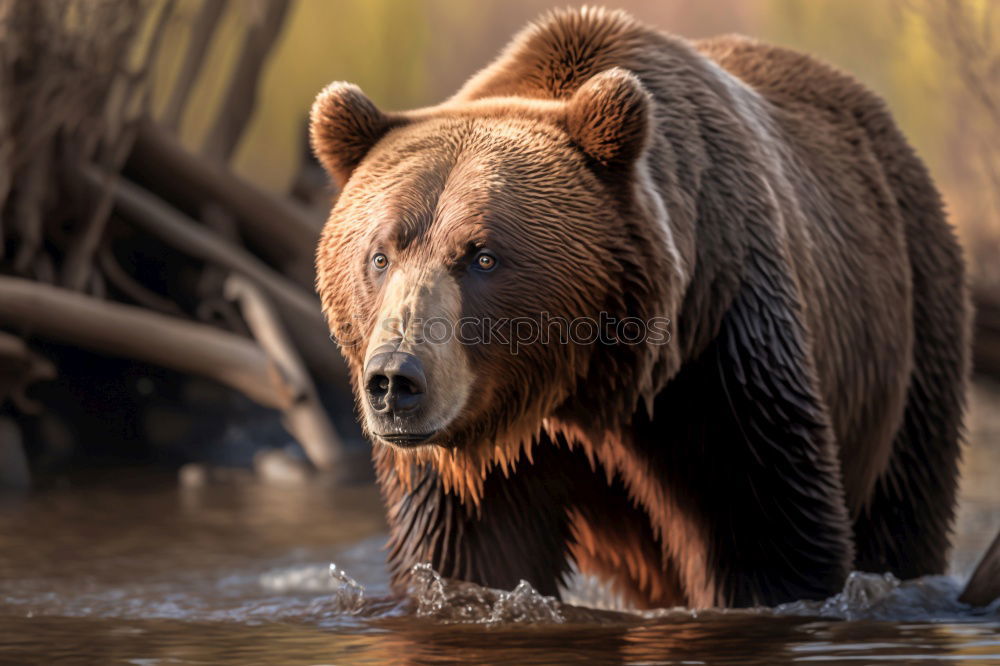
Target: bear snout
<point x="414" y="382"/>
<point x="395" y="383"/>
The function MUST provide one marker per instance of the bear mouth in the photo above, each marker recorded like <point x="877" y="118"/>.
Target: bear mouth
<point x="407" y="440"/>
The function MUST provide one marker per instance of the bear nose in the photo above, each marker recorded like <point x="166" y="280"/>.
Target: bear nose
<point x="395" y="382"/>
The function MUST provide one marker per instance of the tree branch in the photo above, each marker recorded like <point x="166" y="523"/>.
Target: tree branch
<point x="984" y="584"/>
<point x="201" y="37"/>
<point x="241" y="95"/>
<point x="297" y="306"/>
<point x="131" y="332"/>
<point x="157" y="217"/>
<point x="305" y="418"/>
<point x="283" y="231"/>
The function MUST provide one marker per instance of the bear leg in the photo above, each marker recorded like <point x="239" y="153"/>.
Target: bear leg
<point x="745" y="448"/>
<point x="904" y="526"/>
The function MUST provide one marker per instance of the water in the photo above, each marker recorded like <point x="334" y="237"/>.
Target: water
<point x="129" y="568"/>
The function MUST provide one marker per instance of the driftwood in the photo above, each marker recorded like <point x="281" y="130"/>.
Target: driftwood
<point x="123" y="113"/>
<point x="158" y="218"/>
<point x="132" y="332"/>
<point x="91" y="184"/>
<point x="241" y="94"/>
<point x="197" y="50"/>
<point x="80" y="258"/>
<point x="274" y="378"/>
<point x="984" y="584"/>
<point x="299" y="307"/>
<point x="286" y="233"/>
<point x="304" y="416"/>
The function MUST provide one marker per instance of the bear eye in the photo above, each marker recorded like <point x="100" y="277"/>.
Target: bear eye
<point x="380" y="261"/>
<point x="485" y="261"/>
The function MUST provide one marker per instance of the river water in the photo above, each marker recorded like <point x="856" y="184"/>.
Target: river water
<point x="128" y="567"/>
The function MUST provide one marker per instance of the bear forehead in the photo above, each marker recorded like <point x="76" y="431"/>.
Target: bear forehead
<point x="465" y="181"/>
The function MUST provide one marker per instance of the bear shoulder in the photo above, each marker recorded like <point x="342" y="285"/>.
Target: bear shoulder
<point x="786" y="77"/>
<point x="555" y="55"/>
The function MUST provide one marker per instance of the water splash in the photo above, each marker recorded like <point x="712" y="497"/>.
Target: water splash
<point x="865" y="596"/>
<point x="343" y="595"/>
<point x="862" y="592"/>
<point x="458" y="602"/>
<point x="348" y="595"/>
<point x="868" y="596"/>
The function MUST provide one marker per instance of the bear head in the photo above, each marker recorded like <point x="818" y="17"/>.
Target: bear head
<point x="496" y="267"/>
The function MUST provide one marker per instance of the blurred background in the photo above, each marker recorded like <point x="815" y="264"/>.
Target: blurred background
<point x="159" y="206"/>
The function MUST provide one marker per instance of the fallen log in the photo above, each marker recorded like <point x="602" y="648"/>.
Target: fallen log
<point x="300" y="308"/>
<point x="273" y="377"/>
<point x="80" y="95"/>
<point x="284" y="232"/>
<point x="984" y="584"/>
<point x="157" y="217"/>
<point x="132" y="332"/>
<point x="305" y="417"/>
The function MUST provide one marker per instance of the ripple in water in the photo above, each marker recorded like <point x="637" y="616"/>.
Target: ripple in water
<point x="879" y="597"/>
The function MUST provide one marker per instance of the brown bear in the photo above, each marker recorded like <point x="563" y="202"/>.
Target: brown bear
<point x="801" y="419"/>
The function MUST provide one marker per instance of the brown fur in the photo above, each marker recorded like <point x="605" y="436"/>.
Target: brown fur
<point x="804" y="418"/>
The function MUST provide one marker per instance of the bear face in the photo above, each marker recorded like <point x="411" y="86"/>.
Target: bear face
<point x="481" y="258"/>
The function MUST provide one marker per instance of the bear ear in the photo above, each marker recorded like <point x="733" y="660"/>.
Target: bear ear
<point x="609" y="117"/>
<point x="343" y="126"/>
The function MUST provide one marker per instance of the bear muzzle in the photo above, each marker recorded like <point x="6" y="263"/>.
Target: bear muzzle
<point x="414" y="383"/>
<point x="396" y="389"/>
<point x="395" y="382"/>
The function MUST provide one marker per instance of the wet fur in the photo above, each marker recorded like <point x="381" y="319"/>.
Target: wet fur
<point x="805" y="418"/>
